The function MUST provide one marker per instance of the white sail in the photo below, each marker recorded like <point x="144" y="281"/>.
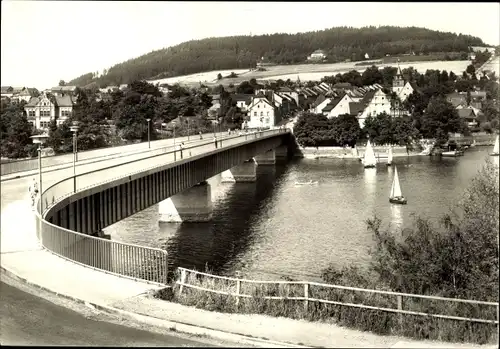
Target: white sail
<point x="395" y="189"/>
<point x="495" y="148"/>
<point x="369" y="159"/>
<point x="389" y="157"/>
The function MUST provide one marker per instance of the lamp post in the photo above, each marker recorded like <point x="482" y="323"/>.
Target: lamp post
<point x="74" y="128"/>
<point x="175" y="154"/>
<point x="40" y="140"/>
<point x="188" y="128"/>
<point x="149" y="139"/>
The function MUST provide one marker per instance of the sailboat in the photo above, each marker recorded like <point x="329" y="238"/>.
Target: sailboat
<point x="495" y="148"/>
<point x="369" y="159"/>
<point x="396" y="197"/>
<point x="389" y="157"/>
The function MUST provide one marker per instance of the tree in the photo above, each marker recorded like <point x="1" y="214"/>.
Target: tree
<point x="246" y="88"/>
<point x="219" y="76"/>
<point x="15" y="141"/>
<point x="346" y="129"/>
<point x="312" y="130"/>
<point x="439" y="119"/>
<point x="378" y="128"/>
<point x="62" y="83"/>
<point x="470" y="69"/>
<point x="372" y="76"/>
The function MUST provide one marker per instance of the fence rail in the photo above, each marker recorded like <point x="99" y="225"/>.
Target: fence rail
<point x="23" y="165"/>
<point x="121" y="259"/>
<point x="235" y="290"/>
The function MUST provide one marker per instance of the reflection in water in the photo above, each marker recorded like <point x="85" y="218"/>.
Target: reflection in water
<point x="370" y="177"/>
<point x="216" y="245"/>
<point x="396" y="217"/>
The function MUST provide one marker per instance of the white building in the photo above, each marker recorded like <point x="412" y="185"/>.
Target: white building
<point x="338" y="106"/>
<point x="262" y="113"/>
<point x="317" y="55"/>
<point x="375" y="102"/>
<point x="42" y="110"/>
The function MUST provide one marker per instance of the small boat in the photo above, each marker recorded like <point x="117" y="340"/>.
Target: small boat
<point x="369" y="159"/>
<point x="495" y="148"/>
<point x="451" y="153"/>
<point x="389" y="157"/>
<point x="306" y="183"/>
<point x="396" y="196"/>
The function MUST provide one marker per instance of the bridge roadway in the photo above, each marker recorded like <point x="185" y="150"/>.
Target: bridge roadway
<point x="132" y="164"/>
<point x="18" y="187"/>
<point x="104" y="153"/>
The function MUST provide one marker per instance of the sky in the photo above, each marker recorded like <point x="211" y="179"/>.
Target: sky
<point x="47" y="41"/>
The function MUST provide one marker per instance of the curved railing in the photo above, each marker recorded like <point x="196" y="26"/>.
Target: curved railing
<point x="122" y="259"/>
<point x="16" y="166"/>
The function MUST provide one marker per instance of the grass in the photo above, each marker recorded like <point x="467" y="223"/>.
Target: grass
<point x="376" y="321"/>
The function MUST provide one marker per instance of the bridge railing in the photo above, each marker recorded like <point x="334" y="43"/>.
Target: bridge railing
<point x="66" y="159"/>
<point x="306" y="294"/>
<point x="127" y="260"/>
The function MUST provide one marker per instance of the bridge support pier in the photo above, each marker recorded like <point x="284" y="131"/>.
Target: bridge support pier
<point x="267" y="158"/>
<point x="245" y="172"/>
<point x="281" y="153"/>
<point x="191" y="205"/>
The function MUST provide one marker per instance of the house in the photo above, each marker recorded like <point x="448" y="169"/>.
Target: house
<point x="469" y="115"/>
<point x="289" y="92"/>
<point x="42" y="110"/>
<point x="317" y="55"/>
<point x="319" y="108"/>
<point x="401" y="88"/>
<point x="7" y="91"/>
<point x="242" y="101"/>
<point x="338" y="106"/>
<point x="10" y="91"/>
<point x="374" y="103"/>
<point x="63" y="90"/>
<point x="262" y="113"/>
<point x="460" y="98"/>
<point x="25" y="95"/>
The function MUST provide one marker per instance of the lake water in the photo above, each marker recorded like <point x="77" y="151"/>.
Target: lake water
<point x="274" y="227"/>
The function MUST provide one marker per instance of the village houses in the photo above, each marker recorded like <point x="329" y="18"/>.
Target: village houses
<point x="18" y="94"/>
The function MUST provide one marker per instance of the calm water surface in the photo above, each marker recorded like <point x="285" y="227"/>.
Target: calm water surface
<point x="274" y="227"/>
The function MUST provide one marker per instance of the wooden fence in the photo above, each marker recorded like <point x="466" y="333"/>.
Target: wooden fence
<point x="307" y="297"/>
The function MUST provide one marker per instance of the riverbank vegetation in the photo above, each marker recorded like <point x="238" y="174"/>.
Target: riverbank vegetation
<point x="456" y="257"/>
<point x="237" y="52"/>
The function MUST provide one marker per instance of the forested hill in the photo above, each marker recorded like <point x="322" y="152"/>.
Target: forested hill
<point x="243" y="51"/>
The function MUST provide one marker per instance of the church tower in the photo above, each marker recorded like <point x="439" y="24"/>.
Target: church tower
<point x="398" y="83"/>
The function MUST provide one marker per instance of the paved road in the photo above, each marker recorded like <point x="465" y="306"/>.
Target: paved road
<point x="26" y="319"/>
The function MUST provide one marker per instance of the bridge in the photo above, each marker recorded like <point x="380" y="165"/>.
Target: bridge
<point x="72" y="212"/>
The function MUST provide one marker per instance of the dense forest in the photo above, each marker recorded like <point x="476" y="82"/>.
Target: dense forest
<point x="238" y="52"/>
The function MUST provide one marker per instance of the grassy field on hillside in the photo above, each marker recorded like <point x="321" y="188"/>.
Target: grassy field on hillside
<point x="306" y="72"/>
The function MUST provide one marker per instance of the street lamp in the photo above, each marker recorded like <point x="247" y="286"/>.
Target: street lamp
<point x="74" y="128"/>
<point x="149" y="139"/>
<point x="175" y="154"/>
<point x="188" y="128"/>
<point x="40" y="140"/>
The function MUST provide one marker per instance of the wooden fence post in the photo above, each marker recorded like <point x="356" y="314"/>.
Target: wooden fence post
<point x="306" y="296"/>
<point x="238" y="286"/>
<point x="183" y="280"/>
<point x="400" y="307"/>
